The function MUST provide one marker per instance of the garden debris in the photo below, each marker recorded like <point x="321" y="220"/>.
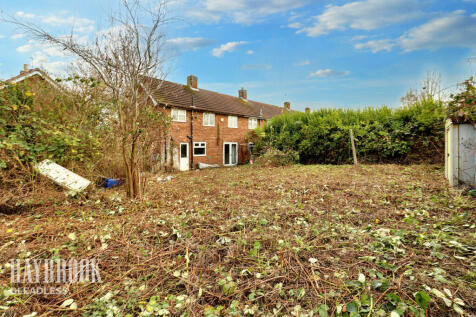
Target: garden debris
<point x="110" y="182"/>
<point x="298" y="240"/>
<point x="165" y="179"/>
<point x="204" y="165"/>
<point x="62" y="176"/>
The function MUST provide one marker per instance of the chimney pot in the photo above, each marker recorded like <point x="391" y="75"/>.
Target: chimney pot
<point x="192" y="81"/>
<point x="25" y="67"/>
<point x="242" y="93"/>
<point x="287" y="105"/>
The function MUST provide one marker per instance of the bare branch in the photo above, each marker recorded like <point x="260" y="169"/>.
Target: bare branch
<point x="121" y="57"/>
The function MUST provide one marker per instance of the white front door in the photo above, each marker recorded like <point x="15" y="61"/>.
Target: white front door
<point x="230" y="153"/>
<point x="183" y="156"/>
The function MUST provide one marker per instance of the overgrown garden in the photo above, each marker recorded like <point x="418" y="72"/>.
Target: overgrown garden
<point x="302" y="240"/>
<point x="413" y="133"/>
<point x="410" y="134"/>
<point x="38" y="121"/>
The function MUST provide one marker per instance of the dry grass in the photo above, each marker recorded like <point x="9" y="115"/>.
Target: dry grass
<point x="265" y="241"/>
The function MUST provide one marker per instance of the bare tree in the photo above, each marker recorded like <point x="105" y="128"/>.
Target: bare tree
<point x="432" y="86"/>
<point x="431" y="89"/>
<point x="125" y="58"/>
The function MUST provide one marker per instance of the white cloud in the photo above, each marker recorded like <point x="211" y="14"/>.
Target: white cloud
<point x="112" y="31"/>
<point x="454" y="29"/>
<point x="302" y="63"/>
<point x="451" y="30"/>
<point x="294" y="16"/>
<point x="26" y="48"/>
<point x="203" y="16"/>
<point x="250" y="52"/>
<point x="227" y="47"/>
<point x="182" y="44"/>
<point x="376" y="45"/>
<point x="257" y="67"/>
<point x="56" y="20"/>
<point x="24" y="15"/>
<point x="60" y="19"/>
<point x="243" y="11"/>
<point x="39" y="59"/>
<point x="46" y="48"/>
<point x="54" y="51"/>
<point x="363" y="15"/>
<point x="359" y="37"/>
<point x="18" y="36"/>
<point x="2" y="36"/>
<point x="295" y="25"/>
<point x="322" y="73"/>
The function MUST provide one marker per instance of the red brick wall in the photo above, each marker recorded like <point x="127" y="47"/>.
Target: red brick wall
<point x="214" y="136"/>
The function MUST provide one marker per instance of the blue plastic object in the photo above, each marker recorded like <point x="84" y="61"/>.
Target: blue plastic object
<point x="110" y="182"/>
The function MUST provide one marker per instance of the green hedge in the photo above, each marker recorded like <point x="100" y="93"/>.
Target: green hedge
<point x="383" y="134"/>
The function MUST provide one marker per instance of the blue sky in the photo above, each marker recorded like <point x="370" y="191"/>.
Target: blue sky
<point x="313" y="53"/>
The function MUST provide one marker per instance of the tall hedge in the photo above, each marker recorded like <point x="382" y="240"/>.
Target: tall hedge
<point x="411" y="134"/>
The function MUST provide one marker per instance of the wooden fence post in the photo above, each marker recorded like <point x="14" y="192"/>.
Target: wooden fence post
<point x="354" y="153"/>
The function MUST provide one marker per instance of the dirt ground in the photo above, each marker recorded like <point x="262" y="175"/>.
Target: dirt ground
<point x="372" y="240"/>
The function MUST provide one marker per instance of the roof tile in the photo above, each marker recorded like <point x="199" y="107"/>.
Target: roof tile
<point x="178" y="95"/>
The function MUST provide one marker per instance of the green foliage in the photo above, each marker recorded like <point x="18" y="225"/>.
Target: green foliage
<point x="381" y="135"/>
<point x="30" y="133"/>
<point x="275" y="157"/>
<point x="422" y="299"/>
<point x="462" y="106"/>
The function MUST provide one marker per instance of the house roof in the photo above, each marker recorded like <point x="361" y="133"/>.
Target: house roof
<point x="178" y="95"/>
<point x="32" y="73"/>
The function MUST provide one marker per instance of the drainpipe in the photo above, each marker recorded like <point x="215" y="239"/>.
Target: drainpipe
<point x="191" y="137"/>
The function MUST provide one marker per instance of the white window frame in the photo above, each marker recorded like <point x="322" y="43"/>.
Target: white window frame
<point x="230" y="144"/>
<point x="179" y="115"/>
<point x="206" y="122"/>
<point x="235" y="120"/>
<point x="199" y="145"/>
<point x="250" y="123"/>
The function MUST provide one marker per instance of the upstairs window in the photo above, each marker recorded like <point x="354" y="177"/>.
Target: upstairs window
<point x="199" y="148"/>
<point x="252" y="123"/>
<point x="232" y="121"/>
<point x="179" y="115"/>
<point x="208" y="119"/>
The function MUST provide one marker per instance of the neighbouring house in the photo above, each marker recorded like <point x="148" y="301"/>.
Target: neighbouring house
<point x="31" y="76"/>
<point x="208" y="127"/>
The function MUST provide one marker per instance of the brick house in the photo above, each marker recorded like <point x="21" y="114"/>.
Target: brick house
<point x="208" y="127"/>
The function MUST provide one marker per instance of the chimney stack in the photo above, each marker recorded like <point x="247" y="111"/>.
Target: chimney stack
<point x="308" y="110"/>
<point x="287" y="105"/>
<point x="25" y="69"/>
<point x="192" y="81"/>
<point x="242" y="93"/>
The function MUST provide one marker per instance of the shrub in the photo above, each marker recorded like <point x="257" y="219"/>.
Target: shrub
<point x="275" y="157"/>
<point x="412" y="133"/>
<point x="462" y="106"/>
<point x="38" y="123"/>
